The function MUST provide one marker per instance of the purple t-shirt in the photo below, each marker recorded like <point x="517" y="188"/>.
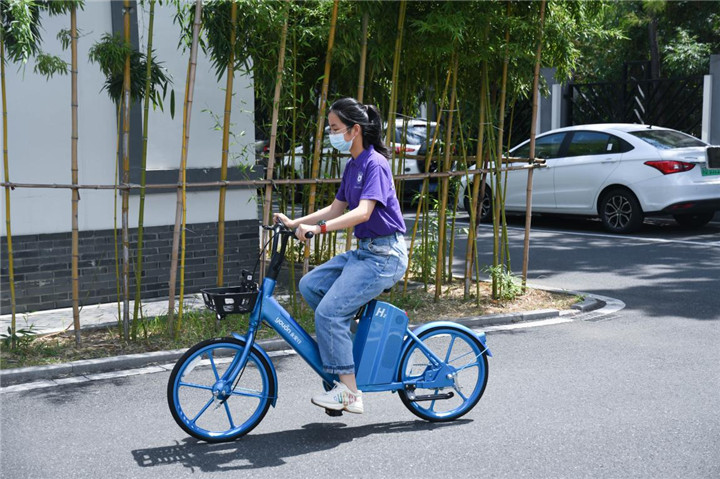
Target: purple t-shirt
<point x="368" y="177"/>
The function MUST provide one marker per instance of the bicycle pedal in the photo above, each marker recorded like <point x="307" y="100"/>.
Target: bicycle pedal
<point x="332" y="412"/>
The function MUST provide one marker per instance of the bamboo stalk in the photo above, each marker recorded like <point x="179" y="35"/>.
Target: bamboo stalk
<point x="424" y="188"/>
<point x="394" y="80"/>
<point x="320" y="125"/>
<point x="453" y="224"/>
<point x="267" y="204"/>
<point x="474" y="199"/>
<point x="186" y="142"/>
<point x="360" y="94"/>
<point x="226" y="145"/>
<point x="115" y="229"/>
<point x="6" y="173"/>
<point x="293" y="139"/>
<point x="74" y="166"/>
<point x="363" y="57"/>
<point x="143" y="173"/>
<point x="505" y="243"/>
<point x="175" y="254"/>
<point x="533" y="126"/>
<point x="500" y="133"/>
<point x="439" y="266"/>
<point x="126" y="179"/>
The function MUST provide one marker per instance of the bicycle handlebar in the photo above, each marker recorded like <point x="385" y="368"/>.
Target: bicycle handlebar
<point x="280" y="228"/>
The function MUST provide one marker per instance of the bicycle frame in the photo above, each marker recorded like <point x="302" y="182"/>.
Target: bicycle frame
<point x="267" y="309"/>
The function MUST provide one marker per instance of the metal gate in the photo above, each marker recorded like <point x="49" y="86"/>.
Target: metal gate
<point x="674" y="103"/>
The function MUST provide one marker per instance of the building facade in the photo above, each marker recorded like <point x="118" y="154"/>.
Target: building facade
<point x="39" y="150"/>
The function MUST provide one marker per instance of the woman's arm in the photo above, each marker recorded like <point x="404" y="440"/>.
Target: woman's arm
<point x="335" y="209"/>
<point x="335" y="220"/>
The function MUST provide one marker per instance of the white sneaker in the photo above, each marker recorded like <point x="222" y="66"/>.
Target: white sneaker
<point x="340" y="398"/>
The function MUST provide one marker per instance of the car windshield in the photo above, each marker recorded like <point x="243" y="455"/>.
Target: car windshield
<point x="667" y="139"/>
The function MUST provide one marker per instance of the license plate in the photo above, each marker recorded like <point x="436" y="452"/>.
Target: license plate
<point x="710" y="171"/>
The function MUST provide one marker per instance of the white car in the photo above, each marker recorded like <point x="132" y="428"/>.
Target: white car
<point x="618" y="172"/>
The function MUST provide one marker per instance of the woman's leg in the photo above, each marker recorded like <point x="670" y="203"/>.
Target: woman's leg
<point x="316" y="283"/>
<point x="363" y="278"/>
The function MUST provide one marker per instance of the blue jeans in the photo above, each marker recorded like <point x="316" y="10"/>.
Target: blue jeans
<point x="335" y="290"/>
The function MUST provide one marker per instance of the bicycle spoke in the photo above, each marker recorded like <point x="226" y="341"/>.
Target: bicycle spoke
<point x="432" y="403"/>
<point x="460" y="393"/>
<point x="194" y="420"/>
<point x="195" y="386"/>
<point x="452" y="343"/>
<point x="460" y="357"/>
<point x="227" y="410"/>
<point x="212" y="363"/>
<point x="469" y="365"/>
<point x="248" y="393"/>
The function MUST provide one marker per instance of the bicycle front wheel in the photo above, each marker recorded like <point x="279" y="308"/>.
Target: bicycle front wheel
<point x="210" y="407"/>
<point x="460" y="350"/>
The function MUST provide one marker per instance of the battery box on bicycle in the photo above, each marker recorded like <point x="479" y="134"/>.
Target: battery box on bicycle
<point x="378" y="342"/>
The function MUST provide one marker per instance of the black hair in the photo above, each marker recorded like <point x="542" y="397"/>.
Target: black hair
<point x="351" y="112"/>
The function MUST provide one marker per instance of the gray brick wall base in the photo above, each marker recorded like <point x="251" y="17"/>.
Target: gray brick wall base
<point x="42" y="264"/>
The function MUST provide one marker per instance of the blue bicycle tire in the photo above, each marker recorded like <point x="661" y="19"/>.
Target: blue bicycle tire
<point x="191" y="403"/>
<point x="471" y="361"/>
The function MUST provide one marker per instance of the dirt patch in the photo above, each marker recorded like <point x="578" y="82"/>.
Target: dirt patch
<point x="422" y="306"/>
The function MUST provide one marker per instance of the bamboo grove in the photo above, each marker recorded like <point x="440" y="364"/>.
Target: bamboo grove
<point x="466" y="65"/>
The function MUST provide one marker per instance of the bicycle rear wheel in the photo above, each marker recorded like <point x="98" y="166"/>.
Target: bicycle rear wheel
<point x="465" y="354"/>
<point x="208" y="407"/>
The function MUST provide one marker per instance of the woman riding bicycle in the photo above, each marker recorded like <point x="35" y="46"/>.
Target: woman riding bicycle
<point x="367" y="201"/>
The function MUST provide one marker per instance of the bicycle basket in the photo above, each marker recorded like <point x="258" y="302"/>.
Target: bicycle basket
<point x="231" y="300"/>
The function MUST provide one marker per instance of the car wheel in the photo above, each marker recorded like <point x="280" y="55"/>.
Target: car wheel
<point x="694" y="221"/>
<point x="486" y="213"/>
<point x="620" y="211"/>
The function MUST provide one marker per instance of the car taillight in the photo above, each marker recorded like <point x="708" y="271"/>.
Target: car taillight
<point x="667" y="167"/>
<point x="408" y="149"/>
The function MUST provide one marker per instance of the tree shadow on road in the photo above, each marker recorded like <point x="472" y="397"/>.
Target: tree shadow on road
<point x="270" y="450"/>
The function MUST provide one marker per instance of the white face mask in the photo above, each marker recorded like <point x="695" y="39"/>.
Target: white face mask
<point x="338" y="141"/>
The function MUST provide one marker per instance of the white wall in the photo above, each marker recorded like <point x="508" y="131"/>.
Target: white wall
<point x="39" y="128"/>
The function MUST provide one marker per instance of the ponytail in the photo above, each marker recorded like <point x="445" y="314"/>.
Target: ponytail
<point x="351" y="112"/>
<point x="374" y="133"/>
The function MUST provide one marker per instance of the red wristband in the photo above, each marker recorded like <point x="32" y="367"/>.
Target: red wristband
<point x="323" y="228"/>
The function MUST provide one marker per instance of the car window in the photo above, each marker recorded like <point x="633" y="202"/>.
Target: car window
<point x="591" y="143"/>
<point x="618" y="145"/>
<point x="545" y="147"/>
<point x="667" y="139"/>
<point x="414" y="135"/>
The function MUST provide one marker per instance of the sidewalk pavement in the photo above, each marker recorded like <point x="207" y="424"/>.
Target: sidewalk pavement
<point x="103" y="315"/>
<point x="97" y="315"/>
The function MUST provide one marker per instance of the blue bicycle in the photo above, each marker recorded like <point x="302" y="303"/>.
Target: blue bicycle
<point x="221" y="388"/>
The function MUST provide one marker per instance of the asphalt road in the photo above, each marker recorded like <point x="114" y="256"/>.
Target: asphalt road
<point x="633" y="394"/>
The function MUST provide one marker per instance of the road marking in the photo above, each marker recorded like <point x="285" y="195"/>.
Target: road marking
<point x="611" y="236"/>
<point x="598" y="235"/>
<point x="524" y="325"/>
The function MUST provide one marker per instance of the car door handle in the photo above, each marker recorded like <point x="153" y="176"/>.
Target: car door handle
<point x="610" y="160"/>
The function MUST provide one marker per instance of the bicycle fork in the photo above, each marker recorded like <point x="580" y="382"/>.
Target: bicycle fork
<point x="225" y="385"/>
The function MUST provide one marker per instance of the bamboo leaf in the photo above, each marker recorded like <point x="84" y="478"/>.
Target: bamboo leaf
<point x="172" y="103"/>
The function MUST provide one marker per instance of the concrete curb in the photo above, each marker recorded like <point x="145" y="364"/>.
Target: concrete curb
<point x="85" y="367"/>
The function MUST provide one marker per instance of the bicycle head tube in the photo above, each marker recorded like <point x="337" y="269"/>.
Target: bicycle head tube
<point x="281" y="235"/>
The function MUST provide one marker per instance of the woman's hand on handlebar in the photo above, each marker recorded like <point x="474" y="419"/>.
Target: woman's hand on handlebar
<point x="303" y="229"/>
<point x="281" y="218"/>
